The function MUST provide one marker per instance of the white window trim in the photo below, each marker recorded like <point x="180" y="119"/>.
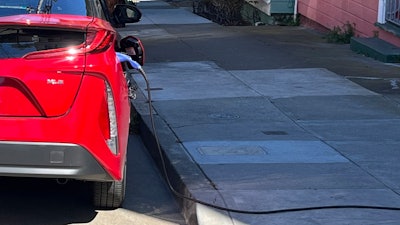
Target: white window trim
<point x="381" y="12"/>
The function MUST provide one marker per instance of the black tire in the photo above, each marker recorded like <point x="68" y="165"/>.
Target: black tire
<point x="109" y="195"/>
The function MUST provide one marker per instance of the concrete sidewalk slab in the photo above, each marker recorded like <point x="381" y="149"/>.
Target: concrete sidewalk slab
<point x="226" y="137"/>
<point x="159" y="12"/>
<point x="325" y="217"/>
<point x="278" y="129"/>
<point x="193" y="80"/>
<point x="284" y="83"/>
<point x="175" y="16"/>
<point x="354" y="130"/>
<point x="237" y="152"/>
<point x="338" y="107"/>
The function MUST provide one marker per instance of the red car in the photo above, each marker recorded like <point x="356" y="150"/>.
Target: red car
<point x="64" y="104"/>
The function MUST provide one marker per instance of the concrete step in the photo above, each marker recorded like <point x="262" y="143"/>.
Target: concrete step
<point x="376" y="48"/>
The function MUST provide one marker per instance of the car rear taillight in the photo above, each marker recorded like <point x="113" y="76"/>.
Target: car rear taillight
<point x="96" y="41"/>
<point x="99" y="41"/>
<point x="109" y="123"/>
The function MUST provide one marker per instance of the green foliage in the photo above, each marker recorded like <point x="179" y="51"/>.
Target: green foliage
<point x="225" y="12"/>
<point x="341" y="35"/>
<point x="287" y="20"/>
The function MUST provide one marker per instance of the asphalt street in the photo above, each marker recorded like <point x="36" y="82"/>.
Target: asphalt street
<point x="148" y="201"/>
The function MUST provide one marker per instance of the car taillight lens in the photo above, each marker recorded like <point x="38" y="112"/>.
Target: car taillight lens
<point x="112" y="136"/>
<point x="96" y="41"/>
<point x="99" y="41"/>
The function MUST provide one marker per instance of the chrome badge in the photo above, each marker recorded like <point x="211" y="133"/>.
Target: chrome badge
<point x="55" y="82"/>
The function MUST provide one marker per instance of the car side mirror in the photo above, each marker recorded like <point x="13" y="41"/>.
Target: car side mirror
<point x="127" y="14"/>
<point x="133" y="47"/>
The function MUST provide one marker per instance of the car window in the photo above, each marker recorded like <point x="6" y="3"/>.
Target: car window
<point x="74" y="7"/>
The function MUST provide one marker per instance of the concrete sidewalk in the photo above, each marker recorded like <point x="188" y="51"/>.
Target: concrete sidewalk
<point x="258" y="119"/>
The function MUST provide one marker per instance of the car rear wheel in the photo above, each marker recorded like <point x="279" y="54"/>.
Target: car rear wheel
<point x="109" y="195"/>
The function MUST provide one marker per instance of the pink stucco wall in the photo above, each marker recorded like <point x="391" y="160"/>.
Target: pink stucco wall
<point x="331" y="13"/>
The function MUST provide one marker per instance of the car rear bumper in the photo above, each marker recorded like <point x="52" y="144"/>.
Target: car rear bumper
<point x="49" y="160"/>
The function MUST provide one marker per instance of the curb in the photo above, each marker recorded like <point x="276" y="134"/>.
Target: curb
<point x="175" y="165"/>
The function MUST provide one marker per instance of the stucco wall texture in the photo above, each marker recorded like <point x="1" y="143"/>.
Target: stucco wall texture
<point x="362" y="13"/>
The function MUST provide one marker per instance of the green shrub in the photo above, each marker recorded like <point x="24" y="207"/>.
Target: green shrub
<point x="341" y="35"/>
<point x="225" y="12"/>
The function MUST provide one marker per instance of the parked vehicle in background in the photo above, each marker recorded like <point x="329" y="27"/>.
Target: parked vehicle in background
<point x="64" y="105"/>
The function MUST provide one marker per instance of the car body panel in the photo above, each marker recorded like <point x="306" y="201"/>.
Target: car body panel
<point x="55" y="96"/>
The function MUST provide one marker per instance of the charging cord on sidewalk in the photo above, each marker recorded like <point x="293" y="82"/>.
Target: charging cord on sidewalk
<point x="165" y="172"/>
<point x="136" y="66"/>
